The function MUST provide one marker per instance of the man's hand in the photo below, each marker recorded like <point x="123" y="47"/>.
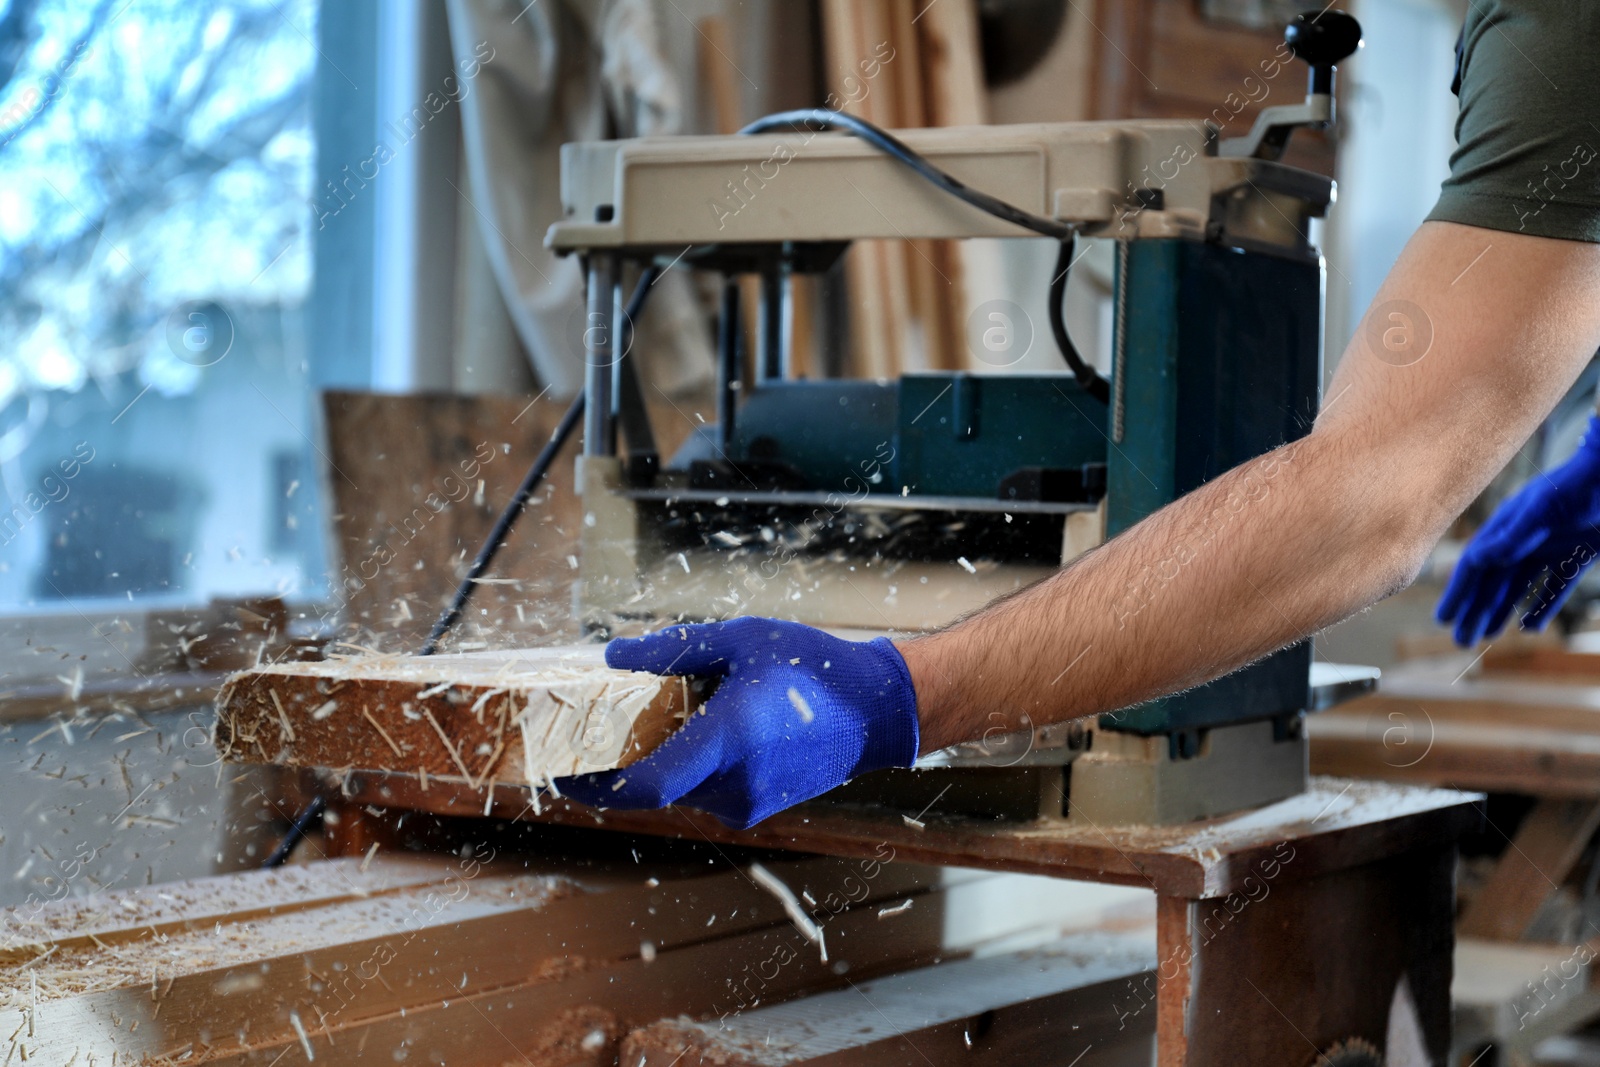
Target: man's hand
<point x="1548" y="527"/>
<point x="797" y="713"/>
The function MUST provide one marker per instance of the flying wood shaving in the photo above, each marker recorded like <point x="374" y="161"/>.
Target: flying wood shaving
<point x="488" y="695"/>
<point x="376" y="725"/>
<point x="364" y="649"/>
<point x="288" y="731"/>
<point x="791" y="905"/>
<point x="488" y="766"/>
<point x="448" y="747"/>
<point x="800" y="705"/>
<point x="300" y="1031"/>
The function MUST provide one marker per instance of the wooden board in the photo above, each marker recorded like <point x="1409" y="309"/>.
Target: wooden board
<point x="176" y="907"/>
<point x="1507" y="727"/>
<point x="471" y="718"/>
<point x="576" y="1019"/>
<point x="903" y="64"/>
<point x="355" y="981"/>
<point x="1542" y="660"/>
<point x="1056" y="1003"/>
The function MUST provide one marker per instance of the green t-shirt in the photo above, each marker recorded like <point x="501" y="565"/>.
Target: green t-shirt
<point x="1527" y="155"/>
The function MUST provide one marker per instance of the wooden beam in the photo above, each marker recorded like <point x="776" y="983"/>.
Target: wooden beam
<point x="560" y="941"/>
<point x="472" y="718"/>
<point x="177" y="907"/>
<point x="1508" y="757"/>
<point x="1541" y="659"/>
<point x="1053" y="1004"/>
<point x="1536" y="861"/>
<point x="1527" y="722"/>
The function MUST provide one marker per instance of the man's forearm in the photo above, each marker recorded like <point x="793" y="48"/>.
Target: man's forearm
<point x="1296" y="540"/>
<point x="1248" y="563"/>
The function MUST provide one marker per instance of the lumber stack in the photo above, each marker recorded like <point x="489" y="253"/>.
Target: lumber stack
<point x="473" y="718"/>
<point x="472" y="959"/>
<point x="902" y="64"/>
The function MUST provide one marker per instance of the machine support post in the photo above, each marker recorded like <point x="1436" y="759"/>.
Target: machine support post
<point x="773" y="364"/>
<point x="599" y="423"/>
<point x="728" y="330"/>
<point x="620" y="334"/>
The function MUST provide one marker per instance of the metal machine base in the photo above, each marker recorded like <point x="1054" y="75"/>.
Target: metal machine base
<point x="1102" y="778"/>
<point x="1126" y="779"/>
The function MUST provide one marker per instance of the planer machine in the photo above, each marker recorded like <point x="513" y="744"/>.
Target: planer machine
<point x="901" y="505"/>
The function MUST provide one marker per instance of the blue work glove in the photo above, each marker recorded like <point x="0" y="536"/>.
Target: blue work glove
<point x="1550" y="527"/>
<point x="797" y="712"/>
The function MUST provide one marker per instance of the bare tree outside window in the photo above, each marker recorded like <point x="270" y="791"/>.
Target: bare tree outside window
<point x="156" y="170"/>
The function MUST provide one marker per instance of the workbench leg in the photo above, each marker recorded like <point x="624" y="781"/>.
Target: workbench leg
<point x="1281" y="974"/>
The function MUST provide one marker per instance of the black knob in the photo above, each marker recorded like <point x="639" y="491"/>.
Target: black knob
<point x="1322" y="39"/>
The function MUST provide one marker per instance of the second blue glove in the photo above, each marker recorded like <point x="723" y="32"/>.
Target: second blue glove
<point x="797" y="713"/>
<point x="1541" y="538"/>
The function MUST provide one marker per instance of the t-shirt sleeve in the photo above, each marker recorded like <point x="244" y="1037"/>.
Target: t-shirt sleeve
<point x="1527" y="155"/>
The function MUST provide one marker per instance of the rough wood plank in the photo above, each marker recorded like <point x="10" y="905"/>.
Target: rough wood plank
<point x="579" y="1019"/>
<point x="864" y="63"/>
<point x="1334" y="824"/>
<point x="1536" y="861"/>
<point x="260" y="984"/>
<point x="151" y="911"/>
<point x="1056" y="1003"/>
<point x="470" y="718"/>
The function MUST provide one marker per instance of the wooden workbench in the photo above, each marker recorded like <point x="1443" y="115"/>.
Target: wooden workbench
<point x="1281" y="931"/>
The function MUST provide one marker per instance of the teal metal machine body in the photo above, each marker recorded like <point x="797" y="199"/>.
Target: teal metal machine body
<point x="1217" y="361"/>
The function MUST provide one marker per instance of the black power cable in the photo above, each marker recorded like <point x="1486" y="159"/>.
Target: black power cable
<point x="530" y="482"/>
<point x="1087" y="376"/>
<point x="502" y="527"/>
<point x="884" y="141"/>
<point x="302" y="823"/>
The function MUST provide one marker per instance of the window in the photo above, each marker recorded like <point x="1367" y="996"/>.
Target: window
<point x="157" y="250"/>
